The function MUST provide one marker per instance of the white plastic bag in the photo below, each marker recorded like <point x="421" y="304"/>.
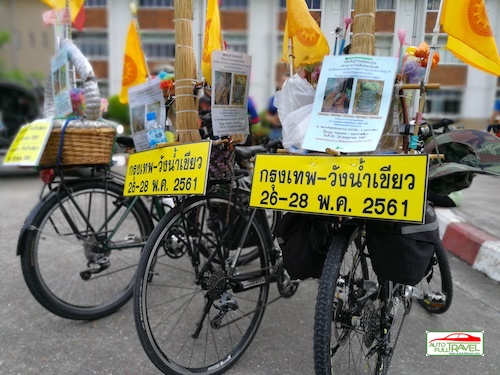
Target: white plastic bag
<point x="295" y="127"/>
<point x="294" y="103"/>
<point x="296" y="93"/>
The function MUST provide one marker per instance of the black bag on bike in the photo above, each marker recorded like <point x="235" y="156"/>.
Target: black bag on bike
<point x="304" y="241"/>
<point x="402" y="252"/>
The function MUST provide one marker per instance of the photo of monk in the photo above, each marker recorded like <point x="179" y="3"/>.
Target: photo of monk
<point x="337" y="96"/>
<point x="222" y="88"/>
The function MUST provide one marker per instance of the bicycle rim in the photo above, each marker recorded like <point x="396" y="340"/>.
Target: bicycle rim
<point x="438" y="282"/>
<point x="58" y="264"/>
<point x="169" y="304"/>
<point x="347" y="320"/>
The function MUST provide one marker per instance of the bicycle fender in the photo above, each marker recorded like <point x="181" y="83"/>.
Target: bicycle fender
<point x="27" y="222"/>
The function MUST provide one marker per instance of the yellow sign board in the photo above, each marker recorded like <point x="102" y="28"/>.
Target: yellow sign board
<point x="370" y="186"/>
<point x="27" y="148"/>
<point x="172" y="170"/>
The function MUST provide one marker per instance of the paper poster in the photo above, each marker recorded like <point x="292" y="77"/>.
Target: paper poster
<point x="352" y="102"/>
<point x="231" y="83"/>
<point x="61" y="84"/>
<point x="28" y="146"/>
<point x="144" y="98"/>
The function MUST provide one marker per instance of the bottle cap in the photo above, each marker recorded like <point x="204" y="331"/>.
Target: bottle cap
<point x="151" y="116"/>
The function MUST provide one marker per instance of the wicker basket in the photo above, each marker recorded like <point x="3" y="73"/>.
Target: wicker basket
<point x="84" y="143"/>
<point x="221" y="165"/>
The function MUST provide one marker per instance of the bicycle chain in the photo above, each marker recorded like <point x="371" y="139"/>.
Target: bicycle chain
<point x="397" y="338"/>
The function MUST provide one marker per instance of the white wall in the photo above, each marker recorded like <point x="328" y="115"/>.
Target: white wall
<point x="262" y="47"/>
<point x="119" y="17"/>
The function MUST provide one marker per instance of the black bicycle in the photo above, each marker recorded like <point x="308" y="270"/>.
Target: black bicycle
<point x="359" y="315"/>
<point x="203" y="284"/>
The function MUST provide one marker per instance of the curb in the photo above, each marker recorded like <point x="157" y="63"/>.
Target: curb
<point x="474" y="246"/>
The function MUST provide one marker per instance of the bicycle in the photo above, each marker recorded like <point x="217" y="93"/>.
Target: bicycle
<point x="199" y="298"/>
<point x="102" y="233"/>
<point x="359" y="316"/>
<point x="80" y="244"/>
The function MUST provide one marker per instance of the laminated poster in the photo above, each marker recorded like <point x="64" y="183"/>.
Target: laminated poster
<point x="144" y="98"/>
<point x="352" y="102"/>
<point x="60" y="84"/>
<point x="230" y="85"/>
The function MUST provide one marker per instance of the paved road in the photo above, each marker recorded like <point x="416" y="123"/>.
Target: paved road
<point x="33" y="341"/>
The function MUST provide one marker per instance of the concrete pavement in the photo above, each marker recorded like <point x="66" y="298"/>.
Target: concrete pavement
<point x="471" y="231"/>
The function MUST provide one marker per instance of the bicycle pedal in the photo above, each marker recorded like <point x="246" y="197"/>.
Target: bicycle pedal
<point x="435" y="299"/>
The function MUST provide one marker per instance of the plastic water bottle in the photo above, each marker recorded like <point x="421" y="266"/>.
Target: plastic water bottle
<point x="155" y="132"/>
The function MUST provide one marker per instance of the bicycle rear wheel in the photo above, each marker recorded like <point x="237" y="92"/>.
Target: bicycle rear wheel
<point x="81" y="249"/>
<point x="347" y="324"/>
<point x="191" y="315"/>
<point x="437" y="284"/>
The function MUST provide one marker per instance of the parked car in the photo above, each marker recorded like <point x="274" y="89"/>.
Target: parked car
<point x="19" y="105"/>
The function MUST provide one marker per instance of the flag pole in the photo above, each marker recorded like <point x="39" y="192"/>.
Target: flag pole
<point x="435" y="32"/>
<point x="421" y="102"/>
<point x="290" y="56"/>
<point x="133" y="10"/>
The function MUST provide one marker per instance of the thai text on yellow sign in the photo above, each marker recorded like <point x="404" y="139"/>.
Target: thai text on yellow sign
<point x="27" y="148"/>
<point x="172" y="170"/>
<point x="370" y="186"/>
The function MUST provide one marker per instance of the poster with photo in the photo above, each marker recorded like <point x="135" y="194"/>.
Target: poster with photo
<point x="352" y="102"/>
<point x="230" y="86"/>
<point x="60" y="84"/>
<point x="144" y="98"/>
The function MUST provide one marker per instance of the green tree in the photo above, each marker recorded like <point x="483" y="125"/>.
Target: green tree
<point x="118" y="112"/>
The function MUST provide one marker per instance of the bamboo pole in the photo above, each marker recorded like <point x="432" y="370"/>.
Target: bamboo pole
<point x="363" y="38"/>
<point x="186" y="102"/>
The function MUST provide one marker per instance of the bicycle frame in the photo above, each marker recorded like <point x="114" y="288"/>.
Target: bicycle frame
<point x="64" y="183"/>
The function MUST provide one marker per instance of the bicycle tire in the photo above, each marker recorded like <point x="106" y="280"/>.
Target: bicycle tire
<point x="56" y="263"/>
<point x="168" y="302"/>
<point x="340" y="344"/>
<point x="439" y="280"/>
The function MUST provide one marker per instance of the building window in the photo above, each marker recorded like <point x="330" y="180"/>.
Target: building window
<point x="234" y="4"/>
<point x="32" y="39"/>
<point x="383" y="45"/>
<point x="238" y="43"/>
<point x="45" y="39"/>
<point x="158" y="47"/>
<point x="95" y="3"/>
<point x="385" y="5"/>
<point x="103" y="88"/>
<point x="443" y="103"/>
<point x="17" y="39"/>
<point x="156" y="3"/>
<point x="433" y="4"/>
<point x="314" y="4"/>
<point x="93" y="45"/>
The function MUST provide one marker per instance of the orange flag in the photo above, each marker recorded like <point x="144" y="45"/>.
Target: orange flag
<point x="470" y="37"/>
<point x="309" y="44"/>
<point x="134" y="64"/>
<point x="75" y="7"/>
<point x="212" y="40"/>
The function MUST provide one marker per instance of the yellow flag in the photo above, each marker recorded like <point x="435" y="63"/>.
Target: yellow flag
<point x="309" y="44"/>
<point x="470" y="37"/>
<point x="134" y="63"/>
<point x="212" y="40"/>
<point x="74" y="6"/>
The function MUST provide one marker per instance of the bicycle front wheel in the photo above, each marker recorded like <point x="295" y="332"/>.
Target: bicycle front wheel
<point x="348" y="308"/>
<point x="191" y="314"/>
<point x="82" y="247"/>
